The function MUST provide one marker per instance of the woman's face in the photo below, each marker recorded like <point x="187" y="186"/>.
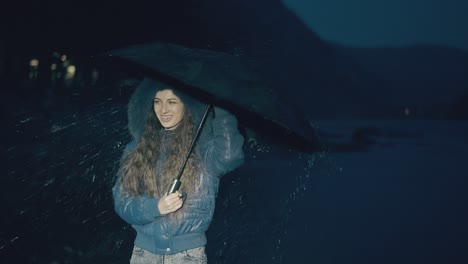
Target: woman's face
<point x="168" y="108"/>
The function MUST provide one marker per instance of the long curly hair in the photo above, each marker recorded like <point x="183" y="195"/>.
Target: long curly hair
<point x="139" y="168"/>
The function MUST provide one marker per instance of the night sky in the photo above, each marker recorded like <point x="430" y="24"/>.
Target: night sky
<point x="387" y="23"/>
<point x="365" y="23"/>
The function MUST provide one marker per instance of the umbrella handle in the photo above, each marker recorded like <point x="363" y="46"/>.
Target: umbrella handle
<point x="175" y="186"/>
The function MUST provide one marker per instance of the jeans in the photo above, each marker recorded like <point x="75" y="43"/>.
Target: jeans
<point x="196" y="255"/>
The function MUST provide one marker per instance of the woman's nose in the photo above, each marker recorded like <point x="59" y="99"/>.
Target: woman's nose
<point x="164" y="108"/>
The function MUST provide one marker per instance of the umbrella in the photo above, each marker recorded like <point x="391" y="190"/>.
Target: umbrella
<point x="234" y="82"/>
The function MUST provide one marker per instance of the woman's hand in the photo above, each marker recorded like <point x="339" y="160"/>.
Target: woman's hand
<point x="170" y="203"/>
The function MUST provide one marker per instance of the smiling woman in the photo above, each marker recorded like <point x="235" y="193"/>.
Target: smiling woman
<point x="171" y="226"/>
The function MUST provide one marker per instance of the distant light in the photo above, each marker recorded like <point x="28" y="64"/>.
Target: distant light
<point x="63" y="58"/>
<point x="94" y="76"/>
<point x="71" y="70"/>
<point x="53" y="67"/>
<point x="407" y="111"/>
<point x="34" y="63"/>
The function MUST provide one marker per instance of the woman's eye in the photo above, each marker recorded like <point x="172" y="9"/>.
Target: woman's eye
<point x="172" y="102"/>
<point x="157" y="102"/>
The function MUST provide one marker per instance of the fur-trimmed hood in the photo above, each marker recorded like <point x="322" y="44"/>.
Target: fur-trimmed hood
<point x="141" y="102"/>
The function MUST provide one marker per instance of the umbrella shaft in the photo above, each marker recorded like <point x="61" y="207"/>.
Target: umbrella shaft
<point x="176" y="184"/>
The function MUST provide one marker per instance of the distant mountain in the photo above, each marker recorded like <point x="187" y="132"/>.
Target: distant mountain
<point x="426" y="81"/>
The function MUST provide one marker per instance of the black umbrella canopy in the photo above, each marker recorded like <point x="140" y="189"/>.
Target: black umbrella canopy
<point x="234" y="82"/>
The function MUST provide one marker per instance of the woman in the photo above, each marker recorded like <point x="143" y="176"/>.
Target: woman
<point x="162" y="121"/>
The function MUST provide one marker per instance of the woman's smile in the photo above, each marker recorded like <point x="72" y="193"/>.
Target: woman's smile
<point x="165" y="118"/>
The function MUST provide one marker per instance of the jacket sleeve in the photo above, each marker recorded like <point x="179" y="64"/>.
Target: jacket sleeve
<point x="138" y="210"/>
<point x="225" y="150"/>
